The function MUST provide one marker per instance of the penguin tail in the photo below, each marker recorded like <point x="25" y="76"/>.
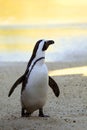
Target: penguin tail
<point x="18" y="81"/>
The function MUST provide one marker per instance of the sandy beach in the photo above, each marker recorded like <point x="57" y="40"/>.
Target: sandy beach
<point x="67" y="112"/>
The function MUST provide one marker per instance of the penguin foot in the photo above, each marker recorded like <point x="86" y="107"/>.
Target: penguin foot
<point x="24" y="113"/>
<point x="41" y="113"/>
<point x="28" y="114"/>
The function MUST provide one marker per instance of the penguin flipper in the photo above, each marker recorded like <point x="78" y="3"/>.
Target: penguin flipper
<point x="54" y="86"/>
<point x="18" y="81"/>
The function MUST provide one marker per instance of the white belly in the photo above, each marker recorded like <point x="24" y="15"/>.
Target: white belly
<point x="35" y="94"/>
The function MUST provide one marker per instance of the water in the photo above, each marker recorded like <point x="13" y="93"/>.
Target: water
<point x="17" y="42"/>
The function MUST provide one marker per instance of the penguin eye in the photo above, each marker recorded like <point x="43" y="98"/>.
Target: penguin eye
<point x="44" y="47"/>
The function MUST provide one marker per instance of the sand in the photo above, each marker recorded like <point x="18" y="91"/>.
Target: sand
<point x="67" y="112"/>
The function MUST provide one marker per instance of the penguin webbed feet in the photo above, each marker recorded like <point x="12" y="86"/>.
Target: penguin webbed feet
<point x="24" y="113"/>
<point x="41" y="114"/>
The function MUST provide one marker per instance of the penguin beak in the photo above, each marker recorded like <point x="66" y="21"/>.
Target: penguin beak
<point x="47" y="43"/>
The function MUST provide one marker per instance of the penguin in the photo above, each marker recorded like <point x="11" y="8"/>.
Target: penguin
<point x="35" y="81"/>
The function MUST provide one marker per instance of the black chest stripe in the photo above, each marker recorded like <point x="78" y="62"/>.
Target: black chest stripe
<point x="34" y="65"/>
<point x="28" y="73"/>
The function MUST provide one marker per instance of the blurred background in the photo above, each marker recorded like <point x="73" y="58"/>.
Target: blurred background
<point x="23" y="22"/>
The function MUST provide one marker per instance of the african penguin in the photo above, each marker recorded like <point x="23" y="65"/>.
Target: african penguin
<point x="35" y="81"/>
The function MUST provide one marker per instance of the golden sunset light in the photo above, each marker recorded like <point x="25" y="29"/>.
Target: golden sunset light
<point x="23" y="22"/>
<point x="70" y="71"/>
<point x="39" y="11"/>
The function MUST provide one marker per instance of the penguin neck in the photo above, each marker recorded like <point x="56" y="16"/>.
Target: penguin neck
<point x="40" y="58"/>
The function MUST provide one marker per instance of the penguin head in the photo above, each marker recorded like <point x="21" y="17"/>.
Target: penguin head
<point x="41" y="46"/>
<point x="46" y="44"/>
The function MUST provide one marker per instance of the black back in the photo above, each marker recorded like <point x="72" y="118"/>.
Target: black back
<point x="29" y="63"/>
<point x="33" y="54"/>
